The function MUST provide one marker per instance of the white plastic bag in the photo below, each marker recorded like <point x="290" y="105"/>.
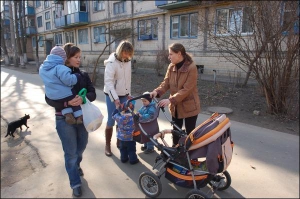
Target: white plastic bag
<point x="92" y="116"/>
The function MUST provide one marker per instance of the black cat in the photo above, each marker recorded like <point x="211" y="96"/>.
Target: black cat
<point x="12" y="126"/>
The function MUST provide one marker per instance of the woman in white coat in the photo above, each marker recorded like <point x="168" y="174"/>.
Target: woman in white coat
<point x="117" y="85"/>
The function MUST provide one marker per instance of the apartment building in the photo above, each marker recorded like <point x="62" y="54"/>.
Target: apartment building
<point x="150" y="25"/>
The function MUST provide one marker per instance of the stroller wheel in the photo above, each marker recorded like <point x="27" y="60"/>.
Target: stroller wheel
<point x="195" y="193"/>
<point x="221" y="181"/>
<point x="150" y="184"/>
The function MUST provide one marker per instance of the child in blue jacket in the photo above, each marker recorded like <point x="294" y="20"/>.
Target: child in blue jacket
<point x="146" y="112"/>
<point x="59" y="82"/>
<point x="125" y="129"/>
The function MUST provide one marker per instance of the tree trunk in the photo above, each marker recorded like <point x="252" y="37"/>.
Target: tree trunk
<point x="18" y="45"/>
<point x="37" y="53"/>
<point x="3" y="43"/>
<point x="12" y="35"/>
<point x="24" y="38"/>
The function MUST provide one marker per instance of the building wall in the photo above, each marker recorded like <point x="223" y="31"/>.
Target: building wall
<point x="145" y="50"/>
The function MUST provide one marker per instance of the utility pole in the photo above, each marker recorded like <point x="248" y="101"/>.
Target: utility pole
<point x="12" y="34"/>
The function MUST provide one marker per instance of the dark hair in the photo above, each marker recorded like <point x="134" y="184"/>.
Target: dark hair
<point x="177" y="47"/>
<point x="71" y="50"/>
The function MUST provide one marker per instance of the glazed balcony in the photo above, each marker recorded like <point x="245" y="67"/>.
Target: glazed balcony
<point x="30" y="30"/>
<point x="74" y="19"/>
<point x="29" y="11"/>
<point x="170" y="5"/>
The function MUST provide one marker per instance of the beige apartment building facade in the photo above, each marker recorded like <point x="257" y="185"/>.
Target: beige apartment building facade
<point x="150" y="25"/>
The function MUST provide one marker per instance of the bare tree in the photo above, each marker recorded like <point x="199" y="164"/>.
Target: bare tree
<point x="119" y="31"/>
<point x="4" y="52"/>
<point x="12" y="34"/>
<point x="23" y="29"/>
<point x="17" y="29"/>
<point x="259" y="38"/>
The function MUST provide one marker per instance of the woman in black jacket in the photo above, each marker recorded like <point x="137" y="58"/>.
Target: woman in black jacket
<point x="74" y="138"/>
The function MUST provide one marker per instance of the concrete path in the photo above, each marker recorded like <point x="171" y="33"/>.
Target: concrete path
<point x="265" y="162"/>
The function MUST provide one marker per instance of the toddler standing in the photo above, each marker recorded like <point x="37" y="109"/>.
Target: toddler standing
<point x="125" y="129"/>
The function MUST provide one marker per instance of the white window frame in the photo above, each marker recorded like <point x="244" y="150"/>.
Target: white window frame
<point x="233" y="21"/>
<point x="184" y="26"/>
<point x="58" y="39"/>
<point x="99" y="34"/>
<point x="69" y="37"/>
<point x="47" y="15"/>
<point x="33" y="42"/>
<point x="119" y="7"/>
<point x="83" y="35"/>
<point x="46" y="4"/>
<point x="98" y="5"/>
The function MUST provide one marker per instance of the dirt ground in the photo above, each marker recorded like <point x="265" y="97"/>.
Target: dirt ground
<point x="19" y="159"/>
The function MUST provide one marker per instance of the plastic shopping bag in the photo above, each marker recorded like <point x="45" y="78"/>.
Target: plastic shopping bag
<point x="92" y="116"/>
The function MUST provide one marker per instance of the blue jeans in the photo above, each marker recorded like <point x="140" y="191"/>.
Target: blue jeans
<point x="74" y="139"/>
<point x="128" y="151"/>
<point x="149" y="145"/>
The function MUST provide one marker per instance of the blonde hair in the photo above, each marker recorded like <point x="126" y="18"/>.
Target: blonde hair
<point x="124" y="46"/>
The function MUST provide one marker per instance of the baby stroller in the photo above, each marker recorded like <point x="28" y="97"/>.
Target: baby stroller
<point x="210" y="140"/>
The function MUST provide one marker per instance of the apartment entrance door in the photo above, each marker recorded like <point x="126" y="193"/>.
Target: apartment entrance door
<point x="48" y="46"/>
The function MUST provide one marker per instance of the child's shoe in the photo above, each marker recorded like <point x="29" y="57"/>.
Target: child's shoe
<point x="79" y="120"/>
<point x="143" y="148"/>
<point x="70" y="118"/>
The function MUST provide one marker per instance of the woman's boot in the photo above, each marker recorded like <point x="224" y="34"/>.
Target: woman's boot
<point x="108" y="135"/>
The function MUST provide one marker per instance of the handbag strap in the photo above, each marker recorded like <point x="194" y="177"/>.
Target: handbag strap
<point x="82" y="94"/>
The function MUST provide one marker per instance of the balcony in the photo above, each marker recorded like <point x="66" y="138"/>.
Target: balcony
<point x="60" y="22"/>
<point x="77" y="18"/>
<point x="6" y="36"/>
<point x="30" y="30"/>
<point x="29" y="10"/>
<point x="175" y="4"/>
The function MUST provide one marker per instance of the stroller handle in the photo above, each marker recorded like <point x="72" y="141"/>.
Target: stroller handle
<point x="162" y="133"/>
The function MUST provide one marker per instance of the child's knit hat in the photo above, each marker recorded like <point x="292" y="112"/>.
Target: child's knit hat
<point x="59" y="51"/>
<point x="147" y="97"/>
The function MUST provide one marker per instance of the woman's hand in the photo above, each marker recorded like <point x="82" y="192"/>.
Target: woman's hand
<point x="153" y="94"/>
<point x="76" y="101"/>
<point x="164" y="102"/>
<point x="117" y="103"/>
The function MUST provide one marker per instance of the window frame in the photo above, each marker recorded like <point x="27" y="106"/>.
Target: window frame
<point x="144" y="22"/>
<point x="176" y="25"/>
<point x="47" y="15"/>
<point x="231" y="24"/>
<point x="58" y="38"/>
<point x="38" y="3"/>
<point x="96" y="6"/>
<point x="33" y="42"/>
<point x="82" y="37"/>
<point x="48" y="22"/>
<point x="102" y="36"/>
<point x="69" y="34"/>
<point x="116" y="5"/>
<point x="39" y="22"/>
<point x="46" y="4"/>
<point x="295" y="29"/>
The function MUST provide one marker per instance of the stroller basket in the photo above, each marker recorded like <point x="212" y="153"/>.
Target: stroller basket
<point x="182" y="177"/>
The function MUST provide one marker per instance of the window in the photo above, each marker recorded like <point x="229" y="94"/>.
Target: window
<point x="31" y="22"/>
<point x="83" y="36"/>
<point x="234" y="21"/>
<point x="46" y="4"/>
<point x="33" y="42"/>
<point x="41" y="41"/>
<point x="76" y="6"/>
<point x="99" y="34"/>
<point x="48" y="25"/>
<point x="40" y="21"/>
<point x="58" y="10"/>
<point x="290" y="16"/>
<point x="47" y="15"/>
<point x="148" y="29"/>
<point x="69" y="36"/>
<point x="37" y="3"/>
<point x="58" y="39"/>
<point x="119" y="7"/>
<point x="184" y="26"/>
<point x="98" y="5"/>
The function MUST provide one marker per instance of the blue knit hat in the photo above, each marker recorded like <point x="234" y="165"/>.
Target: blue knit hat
<point x="59" y="51"/>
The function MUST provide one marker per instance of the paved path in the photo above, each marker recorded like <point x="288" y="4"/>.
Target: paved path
<point x="265" y="162"/>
